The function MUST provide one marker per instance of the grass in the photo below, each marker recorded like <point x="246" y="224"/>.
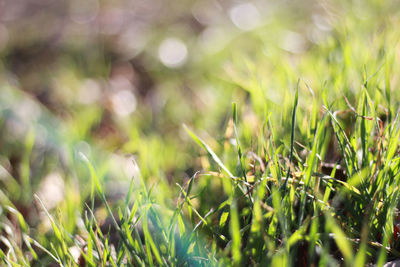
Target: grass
<point x="303" y="168"/>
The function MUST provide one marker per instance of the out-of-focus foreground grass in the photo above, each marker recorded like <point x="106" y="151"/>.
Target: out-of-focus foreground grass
<point x="96" y="167"/>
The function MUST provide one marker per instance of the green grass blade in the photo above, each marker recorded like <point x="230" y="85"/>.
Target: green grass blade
<point x="209" y="150"/>
<point x="296" y="99"/>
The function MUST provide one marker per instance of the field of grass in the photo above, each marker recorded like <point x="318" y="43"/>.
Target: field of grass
<point x="270" y="137"/>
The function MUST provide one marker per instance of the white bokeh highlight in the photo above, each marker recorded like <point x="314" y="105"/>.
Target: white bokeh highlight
<point x="172" y="52"/>
<point x="245" y="16"/>
<point x="123" y="102"/>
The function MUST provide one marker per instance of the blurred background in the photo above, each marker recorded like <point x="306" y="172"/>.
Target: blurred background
<point x="116" y="80"/>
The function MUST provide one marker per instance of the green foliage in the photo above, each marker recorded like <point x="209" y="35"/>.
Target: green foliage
<point x="304" y="169"/>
